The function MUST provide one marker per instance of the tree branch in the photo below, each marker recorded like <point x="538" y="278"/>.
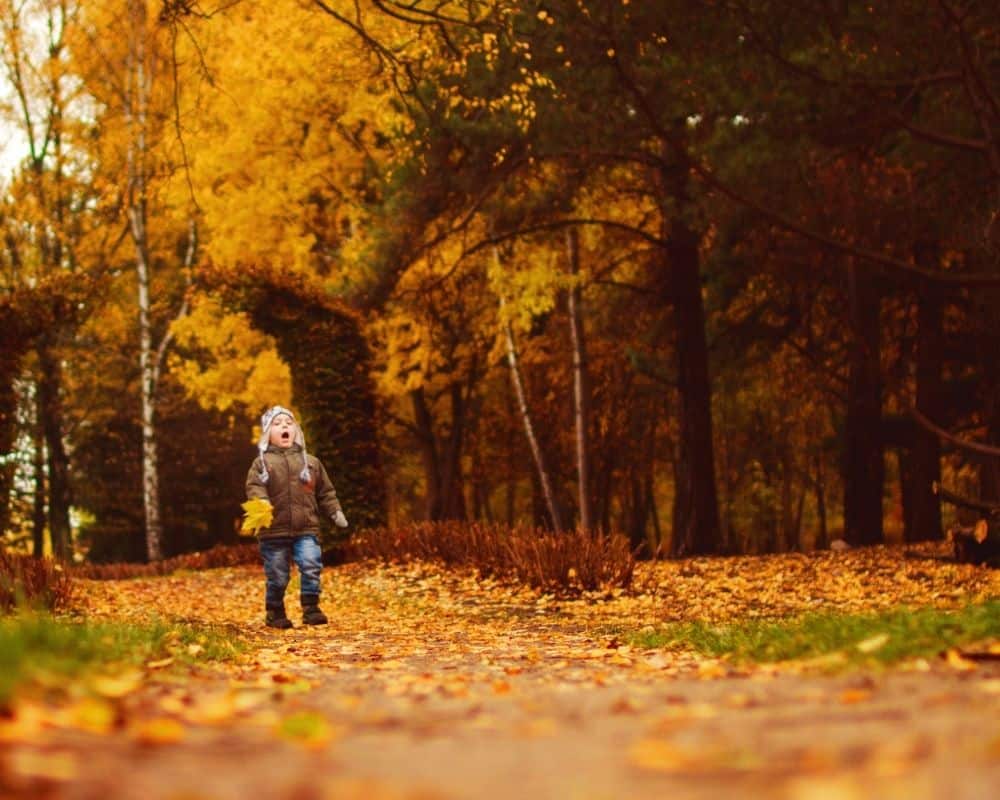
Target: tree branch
<point x="961" y="444"/>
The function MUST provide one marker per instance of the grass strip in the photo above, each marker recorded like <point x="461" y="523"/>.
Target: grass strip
<point x="33" y="645"/>
<point x="885" y="637"/>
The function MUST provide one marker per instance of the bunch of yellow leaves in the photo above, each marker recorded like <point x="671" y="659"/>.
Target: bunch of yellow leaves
<point x="257" y="514"/>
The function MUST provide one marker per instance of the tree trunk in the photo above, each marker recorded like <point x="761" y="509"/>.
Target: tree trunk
<point x="38" y="518"/>
<point x="789" y="533"/>
<point x="136" y="111"/>
<point x="428" y="452"/>
<point x="445" y="491"/>
<point x="50" y="409"/>
<point x="452" y="483"/>
<point x="696" y="511"/>
<point x="864" y="471"/>
<point x="581" y="382"/>
<point x="823" y="537"/>
<point x="989" y="468"/>
<point x="529" y="429"/>
<point x="923" y="522"/>
<point x="510" y="491"/>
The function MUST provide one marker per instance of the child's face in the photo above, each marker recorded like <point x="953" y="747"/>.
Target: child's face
<point x="282" y="431"/>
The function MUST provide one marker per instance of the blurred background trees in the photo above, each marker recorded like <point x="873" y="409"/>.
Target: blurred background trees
<point x="733" y="244"/>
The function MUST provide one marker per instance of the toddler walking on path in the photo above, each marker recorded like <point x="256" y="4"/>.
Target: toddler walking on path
<point x="298" y="489"/>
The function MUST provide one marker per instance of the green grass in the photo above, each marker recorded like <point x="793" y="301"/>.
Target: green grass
<point x="885" y="637"/>
<point x="33" y="646"/>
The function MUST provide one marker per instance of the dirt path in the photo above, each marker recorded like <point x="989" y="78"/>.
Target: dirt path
<point x="428" y="685"/>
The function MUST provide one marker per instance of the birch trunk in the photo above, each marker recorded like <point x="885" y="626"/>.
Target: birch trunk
<point x="136" y="112"/>
<point x="39" y="516"/>
<point x="581" y="384"/>
<point x="529" y="429"/>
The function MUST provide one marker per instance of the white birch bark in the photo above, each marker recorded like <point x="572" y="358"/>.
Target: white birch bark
<point x="136" y="111"/>
<point x="522" y="402"/>
<point x="581" y="386"/>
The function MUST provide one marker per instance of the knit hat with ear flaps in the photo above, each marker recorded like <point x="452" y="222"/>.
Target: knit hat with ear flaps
<point x="266" y="419"/>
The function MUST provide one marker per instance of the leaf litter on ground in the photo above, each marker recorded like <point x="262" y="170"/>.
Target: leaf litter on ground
<point x="413" y="641"/>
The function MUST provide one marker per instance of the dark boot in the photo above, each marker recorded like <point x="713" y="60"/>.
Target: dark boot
<point x="311" y="615"/>
<point x="276" y="617"/>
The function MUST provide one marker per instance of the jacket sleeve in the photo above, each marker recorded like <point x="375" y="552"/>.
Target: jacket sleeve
<point x="325" y="493"/>
<point x="256" y="488"/>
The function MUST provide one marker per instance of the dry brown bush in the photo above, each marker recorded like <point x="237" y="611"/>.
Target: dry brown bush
<point x="562" y="563"/>
<point x="219" y="556"/>
<point x="32" y="582"/>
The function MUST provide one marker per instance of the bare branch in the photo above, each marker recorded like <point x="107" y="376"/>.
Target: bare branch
<point x="961" y="444"/>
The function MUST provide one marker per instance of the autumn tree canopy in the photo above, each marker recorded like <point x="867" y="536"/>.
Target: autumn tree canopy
<point x="676" y="271"/>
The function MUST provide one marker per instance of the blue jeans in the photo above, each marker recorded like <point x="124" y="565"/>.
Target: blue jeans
<point x="276" y="554"/>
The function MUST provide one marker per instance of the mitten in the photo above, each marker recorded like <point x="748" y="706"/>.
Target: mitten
<point x="340" y="520"/>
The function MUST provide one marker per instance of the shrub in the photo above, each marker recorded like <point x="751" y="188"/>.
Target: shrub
<point x="562" y="563"/>
<point x="218" y="556"/>
<point x="33" y="582"/>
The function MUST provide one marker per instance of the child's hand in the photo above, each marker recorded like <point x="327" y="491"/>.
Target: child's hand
<point x="340" y="520"/>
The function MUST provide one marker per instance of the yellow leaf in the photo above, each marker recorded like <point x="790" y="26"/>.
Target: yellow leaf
<point x="659" y="755"/>
<point x="258" y="514"/>
<point x="957" y="661"/>
<point x="851" y="696"/>
<point x="159" y="730"/>
<point x="58" y="766"/>
<point x="118" y="685"/>
<point x="873" y="643"/>
<point x="92" y="715"/>
<point x="981" y="531"/>
<point x="307" y="728"/>
<point x="26" y="724"/>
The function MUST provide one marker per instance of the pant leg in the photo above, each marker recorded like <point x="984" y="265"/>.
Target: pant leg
<point x="309" y="559"/>
<point x="275" y="555"/>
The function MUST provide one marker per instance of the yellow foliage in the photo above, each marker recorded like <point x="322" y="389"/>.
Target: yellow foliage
<point x="284" y="134"/>
<point x="226" y="361"/>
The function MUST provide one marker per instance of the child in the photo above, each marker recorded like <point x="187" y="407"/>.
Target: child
<point x="297" y="487"/>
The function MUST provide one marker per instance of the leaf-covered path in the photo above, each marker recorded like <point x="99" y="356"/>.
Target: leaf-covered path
<point x="428" y="684"/>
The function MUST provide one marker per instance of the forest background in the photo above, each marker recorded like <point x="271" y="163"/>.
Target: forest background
<point x="678" y="270"/>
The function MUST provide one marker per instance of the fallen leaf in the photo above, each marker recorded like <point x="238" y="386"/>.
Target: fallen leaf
<point x="26" y="723"/>
<point x="118" y="685"/>
<point x="159" y="731"/>
<point x="957" y="661"/>
<point x="852" y="696"/>
<point x="873" y="643"/>
<point x="47" y="765"/>
<point x="660" y="755"/>
<point x="92" y="715"/>
<point x="308" y="728"/>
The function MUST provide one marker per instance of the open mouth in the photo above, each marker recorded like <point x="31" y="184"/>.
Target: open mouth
<point x="285" y="436"/>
